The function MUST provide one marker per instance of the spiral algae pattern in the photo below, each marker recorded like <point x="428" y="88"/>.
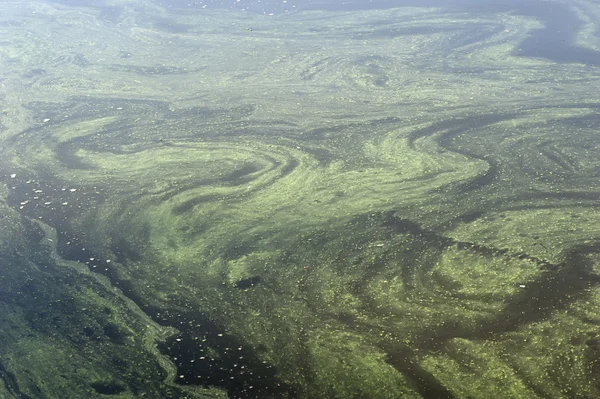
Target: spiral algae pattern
<point x="371" y="204"/>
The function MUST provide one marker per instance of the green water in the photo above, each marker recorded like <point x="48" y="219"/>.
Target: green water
<point x="392" y="203"/>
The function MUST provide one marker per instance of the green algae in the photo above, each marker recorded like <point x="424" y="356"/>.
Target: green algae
<point x="387" y="211"/>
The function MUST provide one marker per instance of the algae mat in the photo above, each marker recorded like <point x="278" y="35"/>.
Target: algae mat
<point x="383" y="203"/>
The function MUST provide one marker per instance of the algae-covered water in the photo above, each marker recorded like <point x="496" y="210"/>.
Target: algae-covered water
<point x="299" y="199"/>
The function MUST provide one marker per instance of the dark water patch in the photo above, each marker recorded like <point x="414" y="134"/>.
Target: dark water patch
<point x="448" y="125"/>
<point x="240" y="175"/>
<point x="451" y="129"/>
<point x="129" y="289"/>
<point x="89" y="332"/>
<point x="477" y="182"/>
<point x="556" y="41"/>
<point x="289" y="167"/>
<point x="72" y="247"/>
<point x="239" y="248"/>
<point x="470" y="217"/>
<point x="107" y="388"/>
<point x="115" y="334"/>
<point x="39" y="195"/>
<point x="249" y="282"/>
<point x="207" y="355"/>
<point x="405" y="361"/>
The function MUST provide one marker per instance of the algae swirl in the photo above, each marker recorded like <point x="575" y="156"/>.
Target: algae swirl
<point x="382" y="203"/>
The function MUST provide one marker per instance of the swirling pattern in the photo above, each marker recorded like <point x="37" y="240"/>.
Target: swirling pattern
<point x="415" y="220"/>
